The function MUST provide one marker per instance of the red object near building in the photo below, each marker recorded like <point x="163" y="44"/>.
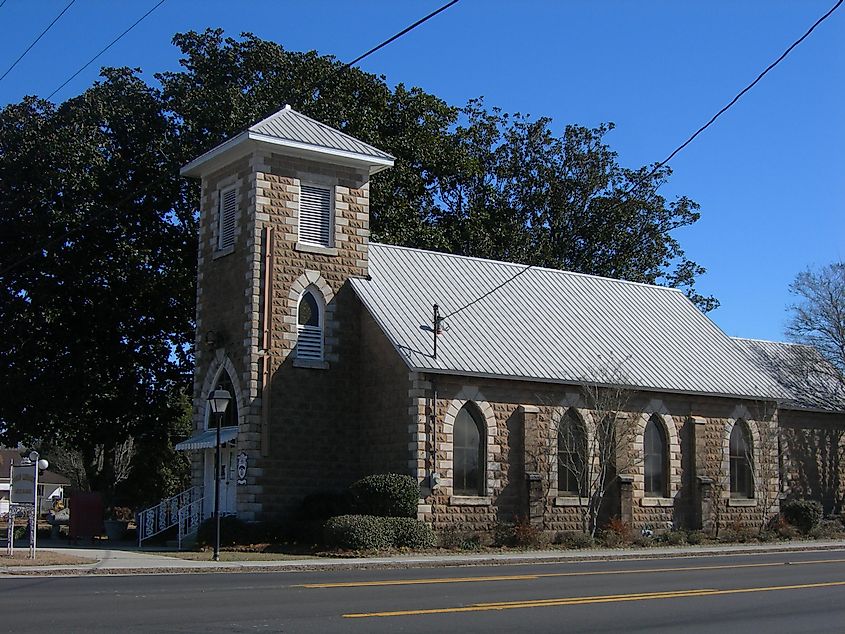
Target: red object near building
<point x="86" y="516"/>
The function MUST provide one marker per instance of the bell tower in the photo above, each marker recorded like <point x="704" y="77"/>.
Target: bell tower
<point x="284" y="222"/>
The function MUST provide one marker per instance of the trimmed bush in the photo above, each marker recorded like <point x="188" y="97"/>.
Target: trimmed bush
<point x="407" y="532"/>
<point x="694" y="538"/>
<point x="322" y="506"/>
<point x="232" y="532"/>
<point x="805" y="515"/>
<point x="386" y="495"/>
<point x="357" y="532"/>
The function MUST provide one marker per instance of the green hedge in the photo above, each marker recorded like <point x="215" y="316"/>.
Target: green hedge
<point x="386" y="495"/>
<point x="805" y="515"/>
<point x="370" y="532"/>
<point x="232" y="532"/>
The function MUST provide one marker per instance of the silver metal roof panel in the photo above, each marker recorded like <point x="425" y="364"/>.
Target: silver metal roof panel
<point x="552" y="326"/>
<point x="290" y="125"/>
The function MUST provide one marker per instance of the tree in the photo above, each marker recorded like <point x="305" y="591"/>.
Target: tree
<point x="98" y="231"/>
<point x="818" y="315"/>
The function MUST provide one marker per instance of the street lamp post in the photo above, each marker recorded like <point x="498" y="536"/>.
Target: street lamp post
<point x="218" y="400"/>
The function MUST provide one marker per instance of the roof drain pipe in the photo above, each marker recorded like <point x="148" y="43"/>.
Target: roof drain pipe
<point x="434" y="477"/>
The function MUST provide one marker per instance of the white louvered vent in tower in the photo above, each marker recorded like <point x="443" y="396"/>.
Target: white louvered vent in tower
<point x="315" y="215"/>
<point x="226" y="218"/>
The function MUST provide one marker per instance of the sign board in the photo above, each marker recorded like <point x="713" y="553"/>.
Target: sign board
<point x="23" y="485"/>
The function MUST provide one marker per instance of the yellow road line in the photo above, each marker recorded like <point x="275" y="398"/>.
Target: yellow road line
<point x="564" y="601"/>
<point x="532" y="577"/>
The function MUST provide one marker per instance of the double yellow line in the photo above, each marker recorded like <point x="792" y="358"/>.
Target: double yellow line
<point x="612" y="598"/>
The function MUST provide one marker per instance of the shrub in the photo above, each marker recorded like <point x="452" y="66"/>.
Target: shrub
<point x="675" y="538"/>
<point x="460" y="539"/>
<point x="322" y="506"/>
<point x="504" y="534"/>
<point x="386" y="495"/>
<point x="232" y="532"/>
<point x="357" y="532"/>
<point x="643" y="541"/>
<point x="694" y="538"/>
<point x="573" y="539"/>
<point x="804" y="515"/>
<point x="616" y="532"/>
<point x="408" y="532"/>
<point x="827" y="529"/>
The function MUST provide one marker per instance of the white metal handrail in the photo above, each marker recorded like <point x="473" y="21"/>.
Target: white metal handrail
<point x="190" y="518"/>
<point x="165" y="514"/>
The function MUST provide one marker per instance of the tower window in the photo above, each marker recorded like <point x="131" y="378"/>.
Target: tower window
<point x="226" y="214"/>
<point x="309" y="343"/>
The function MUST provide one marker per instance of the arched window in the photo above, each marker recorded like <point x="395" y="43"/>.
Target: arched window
<point x="571" y="454"/>
<point x="468" y="453"/>
<point x="741" y="459"/>
<point x="230" y="416"/>
<point x="655" y="454"/>
<point x="309" y="343"/>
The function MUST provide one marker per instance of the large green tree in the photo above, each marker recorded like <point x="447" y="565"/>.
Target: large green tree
<point x="97" y="229"/>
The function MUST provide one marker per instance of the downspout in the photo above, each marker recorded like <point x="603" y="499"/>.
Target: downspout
<point x="434" y="477"/>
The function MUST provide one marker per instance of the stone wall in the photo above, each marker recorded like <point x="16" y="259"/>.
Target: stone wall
<point x="522" y="419"/>
<point x="813" y="457"/>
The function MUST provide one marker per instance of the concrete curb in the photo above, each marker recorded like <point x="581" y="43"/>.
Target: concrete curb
<point x="157" y="564"/>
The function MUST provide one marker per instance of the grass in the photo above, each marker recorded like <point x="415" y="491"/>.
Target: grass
<point x="42" y="558"/>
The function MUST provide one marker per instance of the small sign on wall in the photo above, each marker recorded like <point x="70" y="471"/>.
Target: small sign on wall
<point x="242" y="467"/>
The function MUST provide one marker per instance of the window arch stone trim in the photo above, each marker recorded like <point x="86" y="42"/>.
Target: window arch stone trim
<point x="492" y="468"/>
<point x="585" y="418"/>
<point x="311" y="280"/>
<point x="221" y="363"/>
<point x="756" y="452"/>
<point x="657" y="410"/>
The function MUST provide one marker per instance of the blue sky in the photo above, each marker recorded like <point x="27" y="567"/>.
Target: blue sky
<point x="770" y="175"/>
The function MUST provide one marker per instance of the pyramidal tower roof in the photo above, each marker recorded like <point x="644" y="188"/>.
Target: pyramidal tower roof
<point x="293" y="133"/>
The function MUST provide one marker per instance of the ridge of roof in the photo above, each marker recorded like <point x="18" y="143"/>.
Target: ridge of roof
<point x="778" y="343"/>
<point x="519" y="265"/>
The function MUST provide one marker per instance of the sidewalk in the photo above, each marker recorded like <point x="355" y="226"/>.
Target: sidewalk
<point x="132" y="561"/>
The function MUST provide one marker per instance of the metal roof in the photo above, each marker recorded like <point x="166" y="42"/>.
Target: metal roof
<point x="290" y="125"/>
<point x="551" y="325"/>
<point x="208" y="439"/>
<point x="812" y="383"/>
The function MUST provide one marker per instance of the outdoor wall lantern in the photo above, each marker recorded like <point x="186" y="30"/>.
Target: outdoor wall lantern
<point x="218" y="400"/>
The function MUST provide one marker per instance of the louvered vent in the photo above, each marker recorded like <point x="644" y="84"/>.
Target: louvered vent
<point x="315" y="220"/>
<point x="309" y="344"/>
<point x="228" y="209"/>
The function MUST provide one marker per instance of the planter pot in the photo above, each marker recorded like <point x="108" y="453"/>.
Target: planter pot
<point x="115" y="529"/>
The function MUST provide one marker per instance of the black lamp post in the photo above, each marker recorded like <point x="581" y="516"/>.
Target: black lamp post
<point x="218" y="400"/>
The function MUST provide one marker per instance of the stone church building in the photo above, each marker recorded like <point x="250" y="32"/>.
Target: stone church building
<point x="329" y="345"/>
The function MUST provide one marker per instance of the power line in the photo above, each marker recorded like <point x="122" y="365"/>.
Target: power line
<point x="678" y="149"/>
<point x="107" y="47"/>
<point x="2" y="3"/>
<point x="71" y="232"/>
<point x="28" y="48"/>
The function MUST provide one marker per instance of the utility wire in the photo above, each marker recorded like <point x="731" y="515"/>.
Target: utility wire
<point x="107" y="47"/>
<point x="28" y="48"/>
<point x="678" y="149"/>
<point x="2" y="3"/>
<point x="70" y="232"/>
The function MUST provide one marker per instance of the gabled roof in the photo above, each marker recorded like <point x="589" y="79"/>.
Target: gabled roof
<point x="289" y="125"/>
<point x="552" y="326"/>
<point x="811" y="382"/>
<point x="291" y="132"/>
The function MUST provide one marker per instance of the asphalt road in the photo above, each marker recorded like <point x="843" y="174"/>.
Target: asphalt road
<point x="796" y="592"/>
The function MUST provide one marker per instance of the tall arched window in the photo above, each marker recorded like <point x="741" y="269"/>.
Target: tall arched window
<point x="741" y="459"/>
<point x="468" y="452"/>
<point x="309" y="342"/>
<point x="655" y="454"/>
<point x="571" y="454"/>
<point x="230" y="416"/>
